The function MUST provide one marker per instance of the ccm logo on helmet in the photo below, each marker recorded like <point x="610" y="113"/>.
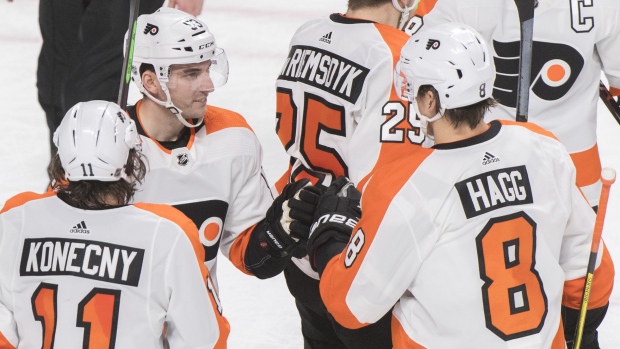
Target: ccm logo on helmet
<point x="205" y="46"/>
<point x="151" y="28"/>
<point x="432" y="43"/>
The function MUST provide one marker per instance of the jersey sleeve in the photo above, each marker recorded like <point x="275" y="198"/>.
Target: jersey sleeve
<point x="247" y="208"/>
<point x="609" y="47"/>
<point x="385" y="130"/>
<point x="363" y="283"/>
<point x="577" y="240"/>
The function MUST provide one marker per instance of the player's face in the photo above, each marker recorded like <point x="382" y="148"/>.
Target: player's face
<point x="189" y="86"/>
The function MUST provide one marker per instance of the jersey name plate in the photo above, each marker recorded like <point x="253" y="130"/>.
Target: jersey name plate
<point x="495" y="189"/>
<point x="326" y="71"/>
<point x="82" y="258"/>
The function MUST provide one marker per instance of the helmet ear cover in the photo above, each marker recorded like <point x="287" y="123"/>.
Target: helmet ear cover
<point x="94" y="140"/>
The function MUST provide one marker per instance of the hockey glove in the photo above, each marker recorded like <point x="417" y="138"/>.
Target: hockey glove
<point x="289" y="219"/>
<point x="337" y="213"/>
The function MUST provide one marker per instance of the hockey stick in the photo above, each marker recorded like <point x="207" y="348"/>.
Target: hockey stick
<point x="123" y="90"/>
<point x="610" y="102"/>
<point x="608" y="177"/>
<point x="526" y="23"/>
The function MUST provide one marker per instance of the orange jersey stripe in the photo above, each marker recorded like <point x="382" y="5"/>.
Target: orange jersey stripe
<point x="588" y="164"/>
<point x="424" y="7"/>
<point x="189" y="228"/>
<point x="23" y="198"/>
<point x="4" y="343"/>
<point x="337" y="278"/>
<point x="614" y="91"/>
<point x="532" y="127"/>
<point x="217" y="119"/>
<point x="400" y="340"/>
<point x="238" y="248"/>
<point x="602" y="285"/>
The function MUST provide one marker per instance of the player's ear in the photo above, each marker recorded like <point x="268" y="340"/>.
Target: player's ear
<point x="150" y="82"/>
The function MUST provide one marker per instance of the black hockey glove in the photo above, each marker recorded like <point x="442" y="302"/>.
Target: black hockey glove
<point x="289" y="219"/>
<point x="337" y="213"/>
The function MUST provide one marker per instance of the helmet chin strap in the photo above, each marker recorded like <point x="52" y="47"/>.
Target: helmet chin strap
<point x="404" y="12"/>
<point x="425" y="120"/>
<point x="168" y="105"/>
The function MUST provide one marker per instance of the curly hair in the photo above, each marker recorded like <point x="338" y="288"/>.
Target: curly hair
<point x="98" y="194"/>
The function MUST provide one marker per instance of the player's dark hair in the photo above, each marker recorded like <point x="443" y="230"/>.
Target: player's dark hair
<point x="146" y="67"/>
<point x="470" y="115"/>
<point x="357" y="4"/>
<point x="91" y="195"/>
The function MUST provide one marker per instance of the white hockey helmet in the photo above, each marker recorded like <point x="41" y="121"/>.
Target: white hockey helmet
<point x="170" y="36"/>
<point x="453" y="58"/>
<point x="93" y="141"/>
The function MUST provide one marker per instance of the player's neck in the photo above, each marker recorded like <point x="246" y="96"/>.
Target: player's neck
<point x="444" y="131"/>
<point x="384" y="14"/>
<point x="159" y="122"/>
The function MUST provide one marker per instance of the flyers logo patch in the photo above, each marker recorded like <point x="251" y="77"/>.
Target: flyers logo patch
<point x="151" y="29"/>
<point x="209" y="217"/>
<point x="555" y="68"/>
<point x="432" y="44"/>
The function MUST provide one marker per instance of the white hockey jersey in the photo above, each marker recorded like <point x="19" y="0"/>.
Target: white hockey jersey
<point x="473" y="241"/>
<point x="337" y="111"/>
<point x="336" y="104"/>
<point x="215" y="179"/>
<point x="573" y="42"/>
<point x="74" y="278"/>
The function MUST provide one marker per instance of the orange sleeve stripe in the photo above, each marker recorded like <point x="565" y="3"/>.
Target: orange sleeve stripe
<point x="614" y="91"/>
<point x="588" y="164"/>
<point x="400" y="339"/>
<point x="237" y="250"/>
<point x="189" y="228"/>
<point x="602" y="285"/>
<point x="385" y="184"/>
<point x="20" y="199"/>
<point x="4" y="343"/>
<point x="424" y="7"/>
<point x="217" y="119"/>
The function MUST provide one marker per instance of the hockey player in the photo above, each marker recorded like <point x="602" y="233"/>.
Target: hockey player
<point x="572" y="43"/>
<point x="480" y="238"/>
<point x="339" y="115"/>
<point x="83" y="268"/>
<point x="204" y="160"/>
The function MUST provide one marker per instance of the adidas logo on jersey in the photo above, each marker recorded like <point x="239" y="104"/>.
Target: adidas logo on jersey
<point x="327" y="38"/>
<point x="489" y="158"/>
<point x="80" y="228"/>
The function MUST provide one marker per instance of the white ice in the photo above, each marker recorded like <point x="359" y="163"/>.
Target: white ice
<point x="255" y="35"/>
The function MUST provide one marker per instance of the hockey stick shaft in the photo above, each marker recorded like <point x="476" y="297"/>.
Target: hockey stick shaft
<point x="611" y="104"/>
<point x="526" y="23"/>
<point x="608" y="177"/>
<point x="123" y="90"/>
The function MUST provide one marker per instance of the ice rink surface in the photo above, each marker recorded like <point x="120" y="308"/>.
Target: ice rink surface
<point x="255" y="35"/>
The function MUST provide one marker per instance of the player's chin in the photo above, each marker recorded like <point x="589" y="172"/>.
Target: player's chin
<point x="196" y="112"/>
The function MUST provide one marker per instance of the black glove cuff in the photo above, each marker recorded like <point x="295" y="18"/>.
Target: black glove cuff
<point x="594" y="317"/>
